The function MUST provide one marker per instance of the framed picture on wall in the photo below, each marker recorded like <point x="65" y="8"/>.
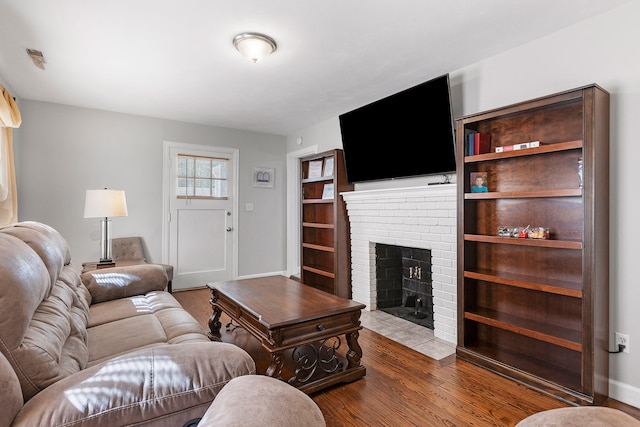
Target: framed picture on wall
<point x="263" y="177"/>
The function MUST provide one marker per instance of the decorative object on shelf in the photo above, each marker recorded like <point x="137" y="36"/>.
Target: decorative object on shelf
<point x="478" y="182"/>
<point x="524" y="232"/>
<point x="254" y="46"/>
<point x="328" y="167"/>
<point x="507" y="231"/>
<point x="104" y="204"/>
<point x="327" y="191"/>
<point x="315" y="169"/>
<point x="539" y="233"/>
<point x="521" y="146"/>
<point x="264" y="177"/>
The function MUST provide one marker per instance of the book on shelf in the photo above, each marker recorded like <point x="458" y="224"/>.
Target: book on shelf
<point x="478" y="143"/>
<point x="481" y="143"/>
<point x="521" y="146"/>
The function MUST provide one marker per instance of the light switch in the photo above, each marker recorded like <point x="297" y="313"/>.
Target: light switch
<point x="248" y="207"/>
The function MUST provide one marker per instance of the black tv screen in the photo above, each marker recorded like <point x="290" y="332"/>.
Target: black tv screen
<point x="407" y="134"/>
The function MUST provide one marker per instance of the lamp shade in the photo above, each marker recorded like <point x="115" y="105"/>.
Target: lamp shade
<point x="105" y="203"/>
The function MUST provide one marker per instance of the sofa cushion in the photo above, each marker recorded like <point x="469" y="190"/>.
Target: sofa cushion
<point x="50" y="246"/>
<point x="121" y="282"/>
<point x="164" y="385"/>
<point x="118" y="326"/>
<point x="124" y="308"/>
<point x="45" y="337"/>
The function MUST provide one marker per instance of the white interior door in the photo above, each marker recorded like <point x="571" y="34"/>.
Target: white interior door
<point x="201" y="238"/>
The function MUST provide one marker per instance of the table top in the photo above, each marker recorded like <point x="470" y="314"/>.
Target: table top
<point x="277" y="300"/>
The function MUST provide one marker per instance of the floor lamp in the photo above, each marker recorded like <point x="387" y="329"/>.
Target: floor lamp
<point x="104" y="204"/>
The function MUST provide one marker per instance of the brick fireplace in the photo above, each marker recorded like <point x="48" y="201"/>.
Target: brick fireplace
<point x="417" y="217"/>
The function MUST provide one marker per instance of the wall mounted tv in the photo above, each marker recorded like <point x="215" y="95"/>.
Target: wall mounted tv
<point x="408" y="134"/>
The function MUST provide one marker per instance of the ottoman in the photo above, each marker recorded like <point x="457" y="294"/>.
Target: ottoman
<point x="258" y="400"/>
<point x="583" y="416"/>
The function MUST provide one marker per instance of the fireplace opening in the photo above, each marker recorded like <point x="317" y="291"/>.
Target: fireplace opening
<point x="403" y="283"/>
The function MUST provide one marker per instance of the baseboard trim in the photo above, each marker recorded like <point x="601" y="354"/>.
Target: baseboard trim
<point x="624" y="393"/>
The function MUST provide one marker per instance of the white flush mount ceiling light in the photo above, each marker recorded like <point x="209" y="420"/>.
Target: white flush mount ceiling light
<point x="254" y="46"/>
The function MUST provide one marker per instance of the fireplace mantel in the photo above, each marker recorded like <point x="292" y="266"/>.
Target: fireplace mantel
<point x="420" y="217"/>
<point x="432" y="190"/>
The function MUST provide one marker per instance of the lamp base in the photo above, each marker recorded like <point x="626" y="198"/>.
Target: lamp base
<point x="105" y="264"/>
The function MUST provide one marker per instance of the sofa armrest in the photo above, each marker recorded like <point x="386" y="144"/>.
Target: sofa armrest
<point x="169" y="384"/>
<point x="10" y="392"/>
<point x="107" y="284"/>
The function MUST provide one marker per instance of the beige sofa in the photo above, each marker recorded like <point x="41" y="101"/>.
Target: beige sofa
<point x="110" y="347"/>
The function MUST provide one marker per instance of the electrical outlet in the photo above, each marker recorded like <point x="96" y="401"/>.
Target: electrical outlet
<point x="622" y="339"/>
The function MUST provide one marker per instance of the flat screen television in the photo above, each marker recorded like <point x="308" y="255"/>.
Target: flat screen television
<point x="408" y="134"/>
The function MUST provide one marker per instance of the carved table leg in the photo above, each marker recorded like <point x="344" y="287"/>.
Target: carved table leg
<point x="275" y="367"/>
<point x="355" y="351"/>
<point x="215" y="325"/>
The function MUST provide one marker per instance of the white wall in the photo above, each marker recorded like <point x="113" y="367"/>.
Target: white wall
<point x="62" y="151"/>
<point x="602" y="50"/>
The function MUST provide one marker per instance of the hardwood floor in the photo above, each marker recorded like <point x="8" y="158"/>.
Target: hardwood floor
<point x="406" y="388"/>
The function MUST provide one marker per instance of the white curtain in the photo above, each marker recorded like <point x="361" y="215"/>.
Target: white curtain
<point x="9" y="118"/>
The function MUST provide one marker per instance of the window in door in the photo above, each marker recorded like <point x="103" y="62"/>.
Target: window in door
<point x="201" y="177"/>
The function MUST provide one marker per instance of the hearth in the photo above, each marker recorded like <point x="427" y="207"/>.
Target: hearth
<point x="404" y="286"/>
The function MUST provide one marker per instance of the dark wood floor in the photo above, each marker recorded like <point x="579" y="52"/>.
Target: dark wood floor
<point x="406" y="388"/>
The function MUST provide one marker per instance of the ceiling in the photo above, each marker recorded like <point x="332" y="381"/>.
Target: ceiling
<point x="175" y="59"/>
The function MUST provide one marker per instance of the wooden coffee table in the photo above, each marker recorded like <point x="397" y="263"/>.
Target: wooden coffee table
<point x="299" y="327"/>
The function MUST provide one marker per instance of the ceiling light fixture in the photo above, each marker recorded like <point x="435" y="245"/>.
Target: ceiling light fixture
<point x="254" y="46"/>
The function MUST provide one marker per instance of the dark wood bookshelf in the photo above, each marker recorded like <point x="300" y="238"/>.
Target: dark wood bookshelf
<point x="325" y="259"/>
<point x="536" y="310"/>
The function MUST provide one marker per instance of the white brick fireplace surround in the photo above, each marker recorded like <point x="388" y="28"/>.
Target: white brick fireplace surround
<point x="418" y="217"/>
